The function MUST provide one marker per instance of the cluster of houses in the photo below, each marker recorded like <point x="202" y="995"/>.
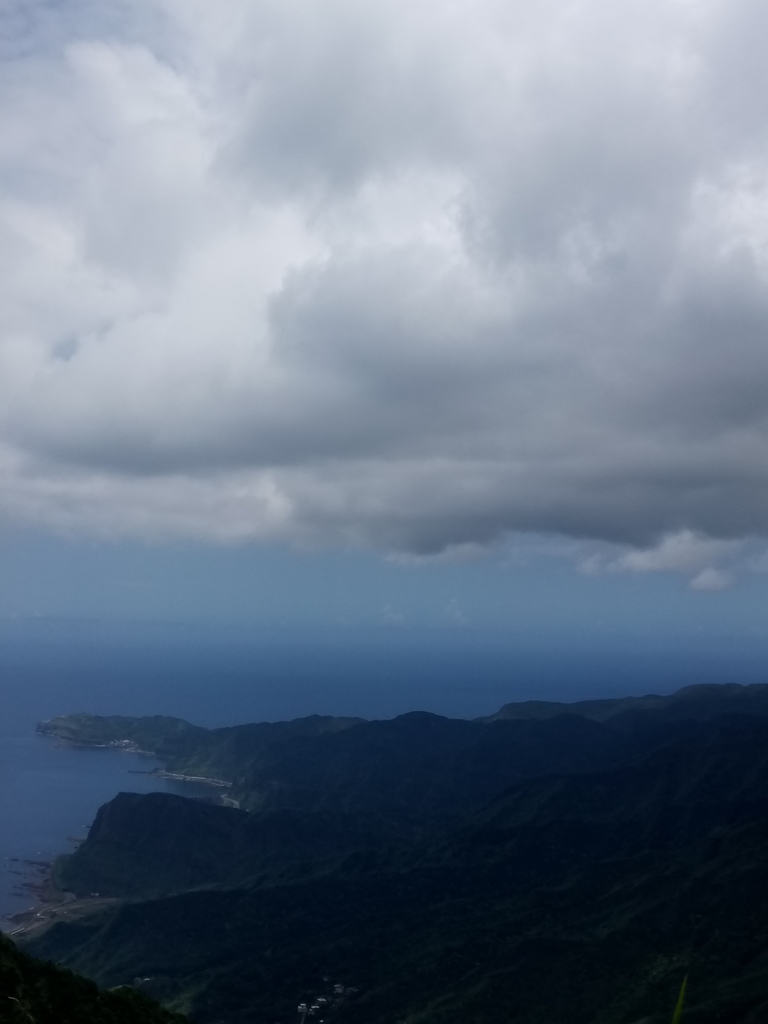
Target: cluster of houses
<point x="322" y="1003"/>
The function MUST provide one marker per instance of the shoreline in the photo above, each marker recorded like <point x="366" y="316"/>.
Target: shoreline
<point x="200" y="780"/>
<point x="121" y="746"/>
<point x="52" y="904"/>
<point x="49" y="899"/>
<point x="35" y="881"/>
<point x="129" y="747"/>
<point x="47" y="904"/>
<point x="161" y="773"/>
<point x="38" y="885"/>
<point x="51" y="910"/>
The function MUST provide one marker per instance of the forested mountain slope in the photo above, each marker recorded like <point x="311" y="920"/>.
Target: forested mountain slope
<point x="702" y="702"/>
<point x="579" y="870"/>
<point x="31" y="991"/>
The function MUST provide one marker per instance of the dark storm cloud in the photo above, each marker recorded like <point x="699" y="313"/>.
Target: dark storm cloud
<point x="413" y="275"/>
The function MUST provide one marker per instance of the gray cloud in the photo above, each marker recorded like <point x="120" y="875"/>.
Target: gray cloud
<point x="416" y="275"/>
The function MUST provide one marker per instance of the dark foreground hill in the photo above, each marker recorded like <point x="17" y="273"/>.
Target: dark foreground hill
<point x="576" y="874"/>
<point x="31" y="991"/>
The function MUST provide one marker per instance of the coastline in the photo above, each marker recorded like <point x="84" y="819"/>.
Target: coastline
<point x="198" y="780"/>
<point x="161" y="773"/>
<point x="53" y="908"/>
<point x="40" y="887"/>
<point x="130" y="747"/>
<point x="51" y="904"/>
<point x="48" y="900"/>
<point x="37" y="833"/>
<point x="122" y="746"/>
<point x="36" y="883"/>
<point x="32" y="901"/>
<point x="54" y="905"/>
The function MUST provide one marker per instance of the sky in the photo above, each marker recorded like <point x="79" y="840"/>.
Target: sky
<point x="416" y="314"/>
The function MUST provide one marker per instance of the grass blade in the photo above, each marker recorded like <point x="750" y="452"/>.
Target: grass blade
<point x="679" y="1008"/>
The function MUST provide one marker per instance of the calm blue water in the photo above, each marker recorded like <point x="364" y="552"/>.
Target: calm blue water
<point x="48" y="796"/>
<point x="219" y="677"/>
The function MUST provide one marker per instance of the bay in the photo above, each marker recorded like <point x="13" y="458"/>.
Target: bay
<point x="49" y="795"/>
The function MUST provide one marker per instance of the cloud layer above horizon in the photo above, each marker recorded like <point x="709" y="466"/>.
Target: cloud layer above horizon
<point x="407" y="274"/>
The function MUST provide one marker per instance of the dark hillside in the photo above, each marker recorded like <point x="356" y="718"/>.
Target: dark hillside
<point x="700" y="703"/>
<point x="422" y="768"/>
<point x="230" y="752"/>
<point x="571" y="899"/>
<point x="323" y="796"/>
<point x="39" y="992"/>
<point x="416" y="770"/>
<point x="157" y="843"/>
<point x="411" y="772"/>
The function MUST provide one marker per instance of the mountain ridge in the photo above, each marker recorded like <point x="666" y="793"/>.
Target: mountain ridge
<point x="613" y="866"/>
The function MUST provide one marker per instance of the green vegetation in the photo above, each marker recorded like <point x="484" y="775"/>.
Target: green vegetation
<point x="230" y="754"/>
<point x="153" y="735"/>
<point x="680" y="1000"/>
<point x="558" y="869"/>
<point x="40" y="993"/>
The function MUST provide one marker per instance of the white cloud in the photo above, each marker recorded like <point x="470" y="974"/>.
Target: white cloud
<point x="692" y="554"/>
<point x="415" y="275"/>
<point x="711" y="580"/>
<point x="680" y="552"/>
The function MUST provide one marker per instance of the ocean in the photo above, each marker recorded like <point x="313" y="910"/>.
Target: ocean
<point x="48" y="797"/>
<point x="215" y="677"/>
